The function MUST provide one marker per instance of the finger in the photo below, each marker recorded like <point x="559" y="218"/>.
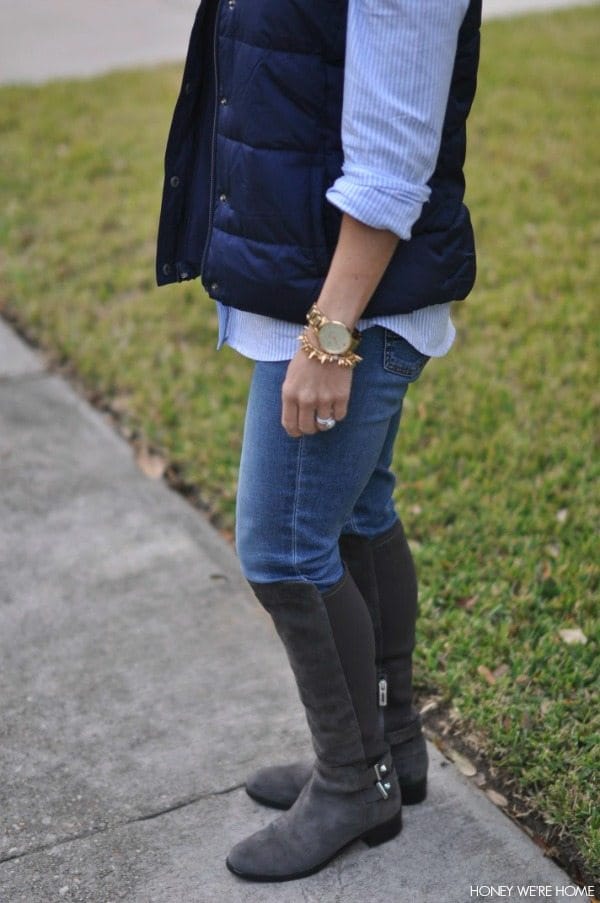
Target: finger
<point x="340" y="407"/>
<point x="289" y="415"/>
<point x="306" y="416"/>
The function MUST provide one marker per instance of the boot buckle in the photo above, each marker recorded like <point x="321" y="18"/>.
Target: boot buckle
<point x="383" y="787"/>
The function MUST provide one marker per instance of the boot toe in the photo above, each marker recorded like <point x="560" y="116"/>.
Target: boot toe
<point x="255" y="858"/>
<point x="279" y="785"/>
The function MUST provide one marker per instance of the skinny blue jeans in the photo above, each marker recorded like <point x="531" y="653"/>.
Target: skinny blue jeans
<point x="296" y="496"/>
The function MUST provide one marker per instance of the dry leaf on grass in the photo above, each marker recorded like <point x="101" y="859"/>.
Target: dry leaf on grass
<point x="120" y="403"/>
<point x="496" y="798"/>
<point x="462" y="763"/>
<point x="467" y="602"/>
<point x="487" y="675"/>
<point x="151" y="464"/>
<point x="546" y="570"/>
<point x="572" y="635"/>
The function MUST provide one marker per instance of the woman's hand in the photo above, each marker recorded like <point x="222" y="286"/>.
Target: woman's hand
<point x="361" y="257"/>
<point x="311" y="388"/>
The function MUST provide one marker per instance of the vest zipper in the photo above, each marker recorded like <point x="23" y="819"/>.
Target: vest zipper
<point x="211" y="184"/>
<point x="186" y="212"/>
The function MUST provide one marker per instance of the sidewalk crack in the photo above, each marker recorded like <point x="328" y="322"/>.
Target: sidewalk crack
<point x="182" y="804"/>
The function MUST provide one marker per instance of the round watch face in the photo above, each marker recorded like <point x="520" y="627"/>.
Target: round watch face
<point x="334" y="338"/>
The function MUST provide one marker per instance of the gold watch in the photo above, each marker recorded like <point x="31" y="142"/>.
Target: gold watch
<point x="333" y="336"/>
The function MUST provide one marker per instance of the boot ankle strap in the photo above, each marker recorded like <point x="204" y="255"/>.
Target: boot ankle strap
<point x="408" y="732"/>
<point x="357" y="777"/>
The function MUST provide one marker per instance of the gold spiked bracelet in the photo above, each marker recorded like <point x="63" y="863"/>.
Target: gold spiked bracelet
<point x="347" y="359"/>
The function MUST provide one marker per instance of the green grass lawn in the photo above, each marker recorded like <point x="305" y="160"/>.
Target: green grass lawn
<point x="497" y="479"/>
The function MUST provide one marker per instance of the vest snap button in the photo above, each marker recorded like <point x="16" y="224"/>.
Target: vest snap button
<point x="214" y="286"/>
<point x="223" y="198"/>
<point x="174" y="181"/>
<point x="166" y="268"/>
<point x="223" y="101"/>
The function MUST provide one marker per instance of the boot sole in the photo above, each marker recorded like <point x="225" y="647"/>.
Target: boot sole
<point x="414" y="793"/>
<point x="373" y="838"/>
<point x="411" y="795"/>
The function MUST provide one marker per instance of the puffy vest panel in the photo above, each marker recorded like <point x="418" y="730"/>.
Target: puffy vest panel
<point x="256" y="141"/>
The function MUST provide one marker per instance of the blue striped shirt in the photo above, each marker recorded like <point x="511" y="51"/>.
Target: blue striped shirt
<point x="399" y="60"/>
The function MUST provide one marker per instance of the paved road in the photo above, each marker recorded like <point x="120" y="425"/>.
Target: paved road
<point x="139" y="679"/>
<point x="40" y="39"/>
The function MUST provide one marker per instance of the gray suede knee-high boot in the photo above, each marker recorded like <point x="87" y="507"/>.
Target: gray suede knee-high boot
<point x="384" y="572"/>
<point x="352" y="791"/>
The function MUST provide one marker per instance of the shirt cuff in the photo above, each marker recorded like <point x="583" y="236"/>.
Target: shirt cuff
<point x="396" y="208"/>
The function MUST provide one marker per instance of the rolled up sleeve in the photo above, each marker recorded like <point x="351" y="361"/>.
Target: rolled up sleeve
<point x="399" y="61"/>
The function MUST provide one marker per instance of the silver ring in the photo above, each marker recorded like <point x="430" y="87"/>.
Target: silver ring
<point x="326" y="422"/>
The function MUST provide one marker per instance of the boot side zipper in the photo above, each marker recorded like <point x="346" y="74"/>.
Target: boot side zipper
<point x="382" y="691"/>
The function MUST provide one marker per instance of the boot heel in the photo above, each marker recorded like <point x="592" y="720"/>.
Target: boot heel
<point x="414" y="793"/>
<point x="386" y="831"/>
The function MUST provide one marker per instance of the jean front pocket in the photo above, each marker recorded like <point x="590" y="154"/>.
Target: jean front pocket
<point x="400" y="357"/>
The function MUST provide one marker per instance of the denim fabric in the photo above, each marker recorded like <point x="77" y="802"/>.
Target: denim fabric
<point x="296" y="496"/>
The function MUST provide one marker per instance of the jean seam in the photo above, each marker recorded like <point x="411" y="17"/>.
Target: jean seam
<point x="296" y="506"/>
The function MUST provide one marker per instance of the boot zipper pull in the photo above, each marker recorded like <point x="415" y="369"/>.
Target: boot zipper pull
<point x="382" y="692"/>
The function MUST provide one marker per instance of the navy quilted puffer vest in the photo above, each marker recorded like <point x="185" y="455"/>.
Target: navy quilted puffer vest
<point x="254" y="144"/>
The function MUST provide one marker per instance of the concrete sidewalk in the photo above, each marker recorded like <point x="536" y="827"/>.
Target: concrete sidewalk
<point x="66" y="38"/>
<point x="140" y="683"/>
